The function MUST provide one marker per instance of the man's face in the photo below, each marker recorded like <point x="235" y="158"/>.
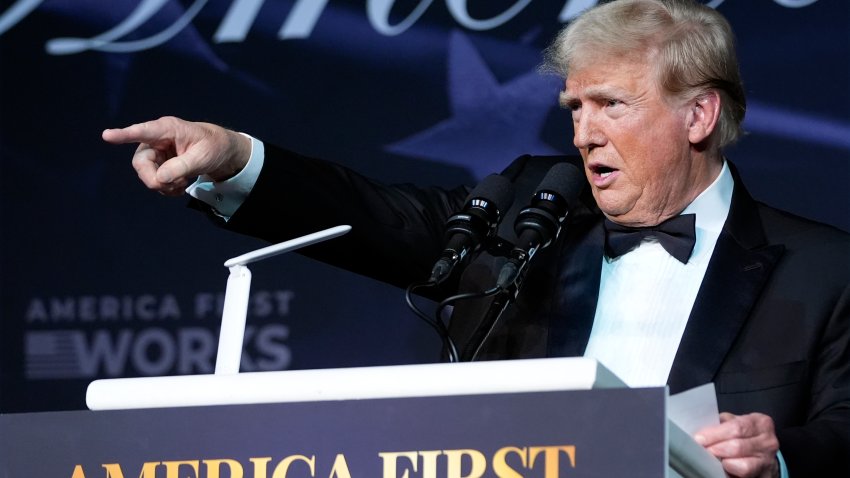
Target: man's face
<point x="637" y="155"/>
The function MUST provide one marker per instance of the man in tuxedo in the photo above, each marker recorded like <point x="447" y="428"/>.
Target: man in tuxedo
<point x="738" y="293"/>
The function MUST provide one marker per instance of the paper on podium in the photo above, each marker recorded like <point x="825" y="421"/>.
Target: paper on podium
<point x="694" y="409"/>
<point x="687" y="413"/>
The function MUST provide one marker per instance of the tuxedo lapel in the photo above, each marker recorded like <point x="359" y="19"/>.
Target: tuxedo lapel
<point x="577" y="290"/>
<point x="740" y="265"/>
<point x="732" y="284"/>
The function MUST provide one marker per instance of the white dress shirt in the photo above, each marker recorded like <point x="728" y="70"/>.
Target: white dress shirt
<point x="646" y="296"/>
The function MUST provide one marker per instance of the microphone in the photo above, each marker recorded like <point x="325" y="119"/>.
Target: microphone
<point x="467" y="230"/>
<point x="539" y="223"/>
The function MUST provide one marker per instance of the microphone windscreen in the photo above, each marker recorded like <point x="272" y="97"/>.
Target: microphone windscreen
<point x="496" y="189"/>
<point x="565" y="180"/>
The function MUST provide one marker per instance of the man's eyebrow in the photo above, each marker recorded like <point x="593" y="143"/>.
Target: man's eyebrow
<point x="566" y="100"/>
<point x="594" y="93"/>
<point x="604" y="91"/>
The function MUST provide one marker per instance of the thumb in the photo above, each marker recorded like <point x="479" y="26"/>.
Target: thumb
<point x="177" y="168"/>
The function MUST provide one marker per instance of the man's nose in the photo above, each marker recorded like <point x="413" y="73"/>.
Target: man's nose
<point x="586" y="130"/>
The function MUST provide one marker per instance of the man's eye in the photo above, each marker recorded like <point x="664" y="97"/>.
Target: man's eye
<point x="612" y="103"/>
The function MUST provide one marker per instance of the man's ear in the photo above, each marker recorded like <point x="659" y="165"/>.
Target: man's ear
<point x="705" y="113"/>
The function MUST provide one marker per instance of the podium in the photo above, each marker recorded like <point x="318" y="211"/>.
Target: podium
<point x="352" y="423"/>
<point x="556" y="417"/>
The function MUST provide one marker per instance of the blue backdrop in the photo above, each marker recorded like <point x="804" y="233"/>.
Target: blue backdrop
<point x="102" y="278"/>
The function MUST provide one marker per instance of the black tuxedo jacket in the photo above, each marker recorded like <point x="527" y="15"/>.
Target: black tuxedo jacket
<point x="770" y="325"/>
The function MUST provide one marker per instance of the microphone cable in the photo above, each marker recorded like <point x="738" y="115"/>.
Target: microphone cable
<point x="465" y="296"/>
<point x="436" y="323"/>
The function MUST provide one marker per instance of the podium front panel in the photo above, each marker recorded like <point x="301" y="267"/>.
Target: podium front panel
<point x="593" y="433"/>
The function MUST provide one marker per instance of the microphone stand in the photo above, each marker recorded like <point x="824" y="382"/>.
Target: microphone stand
<point x="501" y="302"/>
<point x="503" y="298"/>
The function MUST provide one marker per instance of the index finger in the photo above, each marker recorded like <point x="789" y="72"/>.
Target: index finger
<point x="147" y="132"/>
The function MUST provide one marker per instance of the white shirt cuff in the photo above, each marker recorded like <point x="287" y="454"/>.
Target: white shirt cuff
<point x="783" y="470"/>
<point x="226" y="197"/>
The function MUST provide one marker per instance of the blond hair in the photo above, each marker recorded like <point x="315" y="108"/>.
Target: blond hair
<point x="693" y="46"/>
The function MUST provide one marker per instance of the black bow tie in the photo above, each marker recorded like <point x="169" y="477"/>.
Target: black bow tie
<point x="676" y="235"/>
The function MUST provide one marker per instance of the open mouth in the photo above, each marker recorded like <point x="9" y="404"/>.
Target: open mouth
<point x="602" y="171"/>
<point x="603" y="176"/>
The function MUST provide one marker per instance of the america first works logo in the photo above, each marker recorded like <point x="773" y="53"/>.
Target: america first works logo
<point x="85" y="337"/>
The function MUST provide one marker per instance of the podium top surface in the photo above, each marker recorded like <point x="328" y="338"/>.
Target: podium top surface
<point x="395" y="381"/>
